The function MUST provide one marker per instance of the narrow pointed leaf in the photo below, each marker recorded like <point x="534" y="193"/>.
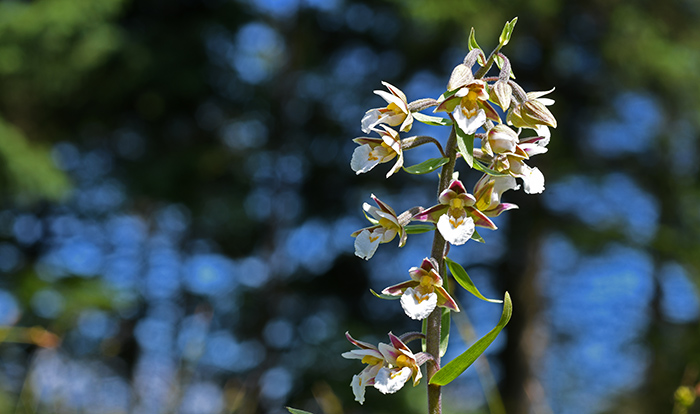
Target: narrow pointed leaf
<point x="463" y="279"/>
<point x="457" y="366"/>
<point x="474" y="45"/>
<point x="295" y="411"/>
<point x="431" y="120"/>
<point x="481" y="167"/>
<point x="419" y="228"/>
<point x="465" y="143"/>
<point x="426" y="166"/>
<point x="383" y="296"/>
<point x="444" y="331"/>
<point x="477" y="237"/>
<point x="445" y="326"/>
<point x="446" y="95"/>
<point x="507" y="32"/>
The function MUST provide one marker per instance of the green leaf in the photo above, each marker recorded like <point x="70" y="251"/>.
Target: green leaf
<point x="431" y="120"/>
<point x="473" y="45"/>
<point x="507" y="32"/>
<point x="426" y="166"/>
<point x="477" y="237"/>
<point x="419" y="228"/>
<point x="465" y="143"/>
<point x="446" y="96"/>
<point x="444" y="331"/>
<point x="457" y="366"/>
<point x="463" y="279"/>
<point x="295" y="411"/>
<point x="481" y="167"/>
<point x="383" y="296"/>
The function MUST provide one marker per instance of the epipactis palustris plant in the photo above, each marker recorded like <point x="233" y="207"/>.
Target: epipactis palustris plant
<point x="505" y="148"/>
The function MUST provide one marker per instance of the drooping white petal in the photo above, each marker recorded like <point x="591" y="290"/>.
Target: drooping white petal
<point x="358" y="388"/>
<point x="388" y="381"/>
<point x="533" y="180"/>
<point x="361" y="161"/>
<point x="543" y="131"/>
<point x="456" y="230"/>
<point x="469" y="125"/>
<point x="371" y="119"/>
<point x="366" y="244"/>
<point x="504" y="183"/>
<point x="418" y="306"/>
<point x="533" y="149"/>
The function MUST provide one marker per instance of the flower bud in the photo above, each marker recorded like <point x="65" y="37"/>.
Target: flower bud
<point x="501" y="94"/>
<point x="535" y="113"/>
<point x="461" y="75"/>
<point x="500" y="140"/>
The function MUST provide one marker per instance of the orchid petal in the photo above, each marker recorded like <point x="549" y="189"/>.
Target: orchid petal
<point x="469" y="125"/>
<point x="371" y="119"/>
<point x="361" y="162"/>
<point x="366" y="244"/>
<point x="361" y="353"/>
<point x="481" y="220"/>
<point x="533" y="180"/>
<point x="359" y="344"/>
<point x="383" y="205"/>
<point x="358" y="385"/>
<point x="389" y="352"/>
<point x="432" y="214"/>
<point x="388" y="381"/>
<point x="399" y="288"/>
<point x="393" y="99"/>
<point x="456" y="230"/>
<point x="445" y="300"/>
<point x="396" y="91"/>
<point x="495" y="212"/>
<point x="416" y="305"/>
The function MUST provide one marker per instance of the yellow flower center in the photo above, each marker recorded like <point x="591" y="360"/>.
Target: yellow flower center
<point x="403" y="361"/>
<point x="371" y="360"/>
<point x="426" y="281"/>
<point x="386" y="223"/>
<point x="394" y="108"/>
<point x="457" y="203"/>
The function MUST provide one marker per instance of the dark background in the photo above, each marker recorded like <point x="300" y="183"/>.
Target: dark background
<point x="176" y="203"/>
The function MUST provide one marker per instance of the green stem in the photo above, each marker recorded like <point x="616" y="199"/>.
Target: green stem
<point x="432" y="339"/>
<point x="489" y="62"/>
